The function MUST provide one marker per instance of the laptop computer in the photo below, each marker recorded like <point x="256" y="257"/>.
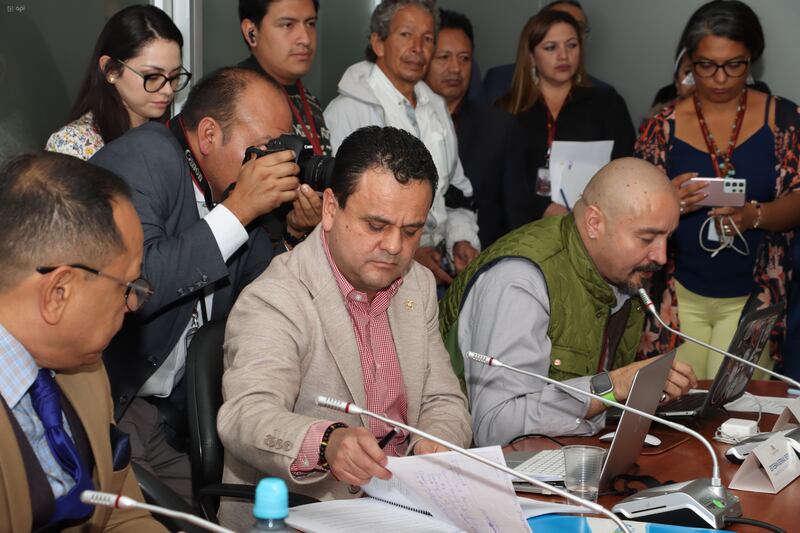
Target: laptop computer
<point x="628" y="440"/>
<point x="732" y="377"/>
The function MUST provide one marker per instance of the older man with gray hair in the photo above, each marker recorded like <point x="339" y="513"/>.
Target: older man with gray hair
<point x="387" y="90"/>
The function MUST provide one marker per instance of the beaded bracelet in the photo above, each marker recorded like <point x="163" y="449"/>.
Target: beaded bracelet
<point x="757" y="223"/>
<point x="291" y="240"/>
<point x="323" y="445"/>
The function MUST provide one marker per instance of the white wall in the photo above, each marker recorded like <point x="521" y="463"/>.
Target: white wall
<point x="632" y="42"/>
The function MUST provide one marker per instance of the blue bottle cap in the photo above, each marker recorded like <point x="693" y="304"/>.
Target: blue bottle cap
<point x="272" y="499"/>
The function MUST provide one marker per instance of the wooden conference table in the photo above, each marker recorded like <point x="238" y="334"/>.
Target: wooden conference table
<point x="681" y="458"/>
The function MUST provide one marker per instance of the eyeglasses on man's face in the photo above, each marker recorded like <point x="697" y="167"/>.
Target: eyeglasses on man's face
<point x="153" y="82"/>
<point x="137" y="292"/>
<point x="708" y="69"/>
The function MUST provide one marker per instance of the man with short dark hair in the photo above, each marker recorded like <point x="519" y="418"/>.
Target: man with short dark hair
<point x="484" y="142"/>
<point x="282" y="38"/>
<point x="387" y="89"/>
<point x="346" y="314"/>
<point x="69" y="271"/>
<point x="200" y="246"/>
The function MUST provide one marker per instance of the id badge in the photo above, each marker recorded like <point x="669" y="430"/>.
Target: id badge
<point x="712" y="236"/>
<point x="192" y="329"/>
<point x="543" y="181"/>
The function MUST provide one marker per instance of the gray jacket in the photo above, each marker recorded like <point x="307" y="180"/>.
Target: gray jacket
<point x="181" y="256"/>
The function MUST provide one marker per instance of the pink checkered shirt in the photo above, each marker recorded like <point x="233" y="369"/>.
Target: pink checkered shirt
<point x="383" y="380"/>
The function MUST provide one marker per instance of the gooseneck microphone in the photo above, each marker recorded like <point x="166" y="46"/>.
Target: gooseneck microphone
<point x="692" y="495"/>
<point x="716" y="480"/>
<point x="350" y="408"/>
<point x="651" y="308"/>
<point x="117" y="501"/>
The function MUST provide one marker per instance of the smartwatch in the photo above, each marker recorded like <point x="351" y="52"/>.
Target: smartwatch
<point x="602" y="386"/>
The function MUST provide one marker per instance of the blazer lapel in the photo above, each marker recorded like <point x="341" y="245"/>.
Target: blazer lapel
<point x="13" y="479"/>
<point x="409" y="331"/>
<point x="337" y="326"/>
<point x="82" y="395"/>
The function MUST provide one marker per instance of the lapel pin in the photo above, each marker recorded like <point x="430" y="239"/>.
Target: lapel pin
<point x="410" y="304"/>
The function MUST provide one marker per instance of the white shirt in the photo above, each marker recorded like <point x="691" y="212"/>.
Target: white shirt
<point x="230" y="235"/>
<point x="440" y="140"/>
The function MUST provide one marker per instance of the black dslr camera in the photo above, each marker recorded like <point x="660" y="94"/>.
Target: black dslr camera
<point x="315" y="170"/>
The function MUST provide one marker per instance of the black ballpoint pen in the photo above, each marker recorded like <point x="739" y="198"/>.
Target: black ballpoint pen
<point x="387" y="438"/>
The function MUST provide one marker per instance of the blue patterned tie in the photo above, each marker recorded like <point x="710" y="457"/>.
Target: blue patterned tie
<point x="46" y="398"/>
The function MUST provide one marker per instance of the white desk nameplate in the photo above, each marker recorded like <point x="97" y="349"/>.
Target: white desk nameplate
<point x="769" y="468"/>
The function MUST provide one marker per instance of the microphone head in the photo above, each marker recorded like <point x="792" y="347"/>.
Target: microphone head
<point x="645" y="298"/>
<point x="480" y="358"/>
<point x="104" y="499"/>
<point x="337" y="405"/>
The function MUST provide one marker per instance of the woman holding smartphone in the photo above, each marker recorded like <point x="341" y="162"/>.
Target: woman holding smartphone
<point x="721" y="257"/>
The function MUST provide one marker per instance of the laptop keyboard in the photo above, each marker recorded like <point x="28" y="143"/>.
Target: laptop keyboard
<point x="687" y="402"/>
<point x="546" y="465"/>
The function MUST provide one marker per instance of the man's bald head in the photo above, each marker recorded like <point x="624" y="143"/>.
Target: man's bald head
<point x="624" y="217"/>
<point x="626" y="187"/>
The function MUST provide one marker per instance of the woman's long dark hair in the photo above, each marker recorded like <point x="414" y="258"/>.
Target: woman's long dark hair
<point x="123" y="37"/>
<point x="524" y="93"/>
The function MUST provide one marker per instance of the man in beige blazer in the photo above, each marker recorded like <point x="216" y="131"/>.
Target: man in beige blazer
<point x="315" y="323"/>
<point x="69" y="268"/>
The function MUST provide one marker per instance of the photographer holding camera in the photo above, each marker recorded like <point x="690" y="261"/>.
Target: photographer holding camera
<point x="198" y="253"/>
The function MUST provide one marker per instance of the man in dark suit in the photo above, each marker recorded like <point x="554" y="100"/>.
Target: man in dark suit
<point x="200" y="250"/>
<point x="483" y="132"/>
<point x="69" y="271"/>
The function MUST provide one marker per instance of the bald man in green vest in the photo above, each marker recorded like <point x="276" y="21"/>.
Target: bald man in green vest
<point x="557" y="297"/>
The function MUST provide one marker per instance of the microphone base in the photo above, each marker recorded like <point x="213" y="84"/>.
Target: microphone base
<point x="691" y="503"/>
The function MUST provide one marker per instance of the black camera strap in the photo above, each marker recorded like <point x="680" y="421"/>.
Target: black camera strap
<point x="176" y="127"/>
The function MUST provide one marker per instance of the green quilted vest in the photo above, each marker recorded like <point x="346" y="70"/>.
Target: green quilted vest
<point x="580" y="300"/>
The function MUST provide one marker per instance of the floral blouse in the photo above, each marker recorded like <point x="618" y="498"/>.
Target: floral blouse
<point x="79" y="138"/>
<point x="773" y="265"/>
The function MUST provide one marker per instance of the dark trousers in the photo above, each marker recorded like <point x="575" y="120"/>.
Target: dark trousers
<point x="150" y="437"/>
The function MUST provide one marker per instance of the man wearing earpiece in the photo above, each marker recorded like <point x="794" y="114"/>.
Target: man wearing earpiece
<point x="282" y="38"/>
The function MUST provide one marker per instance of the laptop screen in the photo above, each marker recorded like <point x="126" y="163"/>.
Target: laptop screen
<point x="748" y="343"/>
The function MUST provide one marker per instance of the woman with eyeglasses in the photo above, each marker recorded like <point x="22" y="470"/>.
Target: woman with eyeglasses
<point x="133" y="76"/>
<point x="553" y="100"/>
<point x="722" y="258"/>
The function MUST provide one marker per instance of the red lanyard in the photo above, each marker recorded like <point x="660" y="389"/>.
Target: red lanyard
<point x="552" y="126"/>
<point x="308" y="125"/>
<point x="723" y="164"/>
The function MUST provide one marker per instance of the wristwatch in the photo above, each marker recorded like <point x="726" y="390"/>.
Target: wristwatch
<point x="602" y="386"/>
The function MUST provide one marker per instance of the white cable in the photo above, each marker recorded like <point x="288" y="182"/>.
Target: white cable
<point x="105" y="499"/>
<point x="721" y="436"/>
<point x="726" y="241"/>
<point x="758" y="402"/>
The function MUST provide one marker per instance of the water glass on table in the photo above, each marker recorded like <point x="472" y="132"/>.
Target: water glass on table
<point x="583" y="465"/>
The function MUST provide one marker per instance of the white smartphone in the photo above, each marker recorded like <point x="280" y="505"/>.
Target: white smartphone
<point x="722" y="192"/>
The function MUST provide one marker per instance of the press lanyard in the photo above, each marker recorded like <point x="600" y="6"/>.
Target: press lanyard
<point x="552" y="126"/>
<point x="176" y="127"/>
<point x="723" y="165"/>
<point x="308" y="125"/>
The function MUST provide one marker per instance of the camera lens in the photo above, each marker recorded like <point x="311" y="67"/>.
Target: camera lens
<point x="316" y="171"/>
